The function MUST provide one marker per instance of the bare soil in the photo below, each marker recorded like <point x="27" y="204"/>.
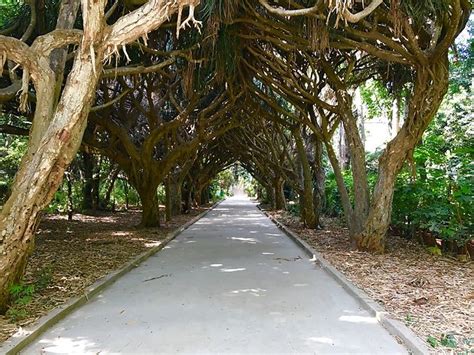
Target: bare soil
<point x="433" y="295"/>
<point x="71" y="255"/>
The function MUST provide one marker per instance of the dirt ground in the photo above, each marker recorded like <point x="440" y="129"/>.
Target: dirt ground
<point x="71" y="255"/>
<point x="433" y="295"/>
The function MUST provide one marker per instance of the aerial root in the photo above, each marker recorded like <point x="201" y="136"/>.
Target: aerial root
<point x="189" y="21"/>
<point x="25" y="80"/>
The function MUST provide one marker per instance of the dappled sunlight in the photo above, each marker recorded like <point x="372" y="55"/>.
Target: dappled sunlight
<point x="121" y="233"/>
<point x="257" y="292"/>
<point x="245" y="240"/>
<point x="217" y="281"/>
<point x="61" y="345"/>
<point x="152" y="244"/>
<point x="358" y="319"/>
<point x="233" y="270"/>
<point x="321" y="340"/>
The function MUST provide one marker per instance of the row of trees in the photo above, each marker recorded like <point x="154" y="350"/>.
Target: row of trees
<point x="256" y="83"/>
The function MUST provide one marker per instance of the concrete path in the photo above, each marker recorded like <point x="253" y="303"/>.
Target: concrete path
<point x="231" y="283"/>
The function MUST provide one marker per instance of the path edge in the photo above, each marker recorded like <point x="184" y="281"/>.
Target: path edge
<point x="25" y="337"/>
<point x="397" y="329"/>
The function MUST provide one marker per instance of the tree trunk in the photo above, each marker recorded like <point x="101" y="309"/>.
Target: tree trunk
<point x="309" y="214"/>
<point x="341" y="186"/>
<point x="187" y="197"/>
<point x="343" y="149"/>
<point x="319" y="193"/>
<point x="88" y="168"/>
<point x="427" y="96"/>
<point x="198" y="195"/>
<point x="70" y="203"/>
<point x="359" y="172"/>
<point x="126" y="191"/>
<point x="168" y="202"/>
<point x="57" y="131"/>
<point x="205" y="199"/>
<point x="42" y="169"/>
<point x="150" y="206"/>
<point x="112" y="178"/>
<point x="269" y="196"/>
<point x="173" y="196"/>
<point x="280" y="201"/>
<point x="96" y="187"/>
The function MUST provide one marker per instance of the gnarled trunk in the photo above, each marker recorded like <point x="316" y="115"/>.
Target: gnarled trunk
<point x="308" y="212"/>
<point x="173" y="197"/>
<point x="319" y="193"/>
<point x="87" y="188"/>
<point x="150" y="206"/>
<point x="280" y="201"/>
<point x="359" y="172"/>
<point x="430" y="87"/>
<point x="42" y="171"/>
<point x="269" y="196"/>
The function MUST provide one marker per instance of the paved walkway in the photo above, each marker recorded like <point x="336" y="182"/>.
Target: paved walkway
<point x="231" y="283"/>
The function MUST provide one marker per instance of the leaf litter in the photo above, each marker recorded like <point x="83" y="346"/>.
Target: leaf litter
<point x="433" y="295"/>
<point x="69" y="256"/>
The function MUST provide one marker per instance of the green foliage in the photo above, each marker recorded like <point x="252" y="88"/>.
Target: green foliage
<point x="440" y="198"/>
<point x="251" y="189"/>
<point x="376" y="97"/>
<point x="220" y="186"/>
<point x="448" y="340"/>
<point x="434" y="250"/>
<point x="333" y="205"/>
<point x="294" y="209"/>
<point x="432" y="341"/>
<point x="10" y="10"/>
<point x="12" y="149"/>
<point x="22" y="293"/>
<point x="418" y="10"/>
<point x="462" y="63"/>
<point x="409" y="319"/>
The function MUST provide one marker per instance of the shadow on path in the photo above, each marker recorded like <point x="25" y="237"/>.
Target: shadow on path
<point x="231" y="283"/>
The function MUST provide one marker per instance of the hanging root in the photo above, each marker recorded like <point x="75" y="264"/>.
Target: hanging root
<point x="145" y="39"/>
<point x="25" y="80"/>
<point x="124" y="48"/>
<point x="342" y="10"/>
<point x="339" y="7"/>
<point x="190" y="20"/>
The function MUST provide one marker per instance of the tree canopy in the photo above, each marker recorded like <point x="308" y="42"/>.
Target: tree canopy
<point x="173" y="92"/>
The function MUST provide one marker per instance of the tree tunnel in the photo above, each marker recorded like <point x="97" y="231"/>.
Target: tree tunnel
<point x="173" y="92"/>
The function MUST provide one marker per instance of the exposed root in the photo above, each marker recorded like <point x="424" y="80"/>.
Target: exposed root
<point x="189" y="21"/>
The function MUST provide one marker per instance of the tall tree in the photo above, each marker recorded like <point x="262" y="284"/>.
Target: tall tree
<point x="58" y="125"/>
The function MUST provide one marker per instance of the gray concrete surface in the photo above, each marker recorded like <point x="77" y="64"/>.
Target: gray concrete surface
<point x="231" y="283"/>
